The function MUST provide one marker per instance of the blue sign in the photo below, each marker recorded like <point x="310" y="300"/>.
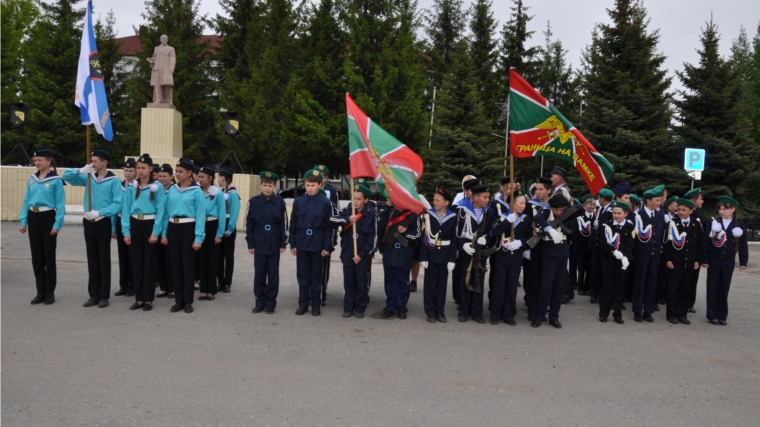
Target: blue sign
<point x="694" y="160"/>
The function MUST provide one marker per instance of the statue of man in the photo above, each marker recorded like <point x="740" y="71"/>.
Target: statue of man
<point x="162" y="78"/>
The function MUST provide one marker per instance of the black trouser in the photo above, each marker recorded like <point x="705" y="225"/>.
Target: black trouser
<point x="325" y="275"/>
<point x="614" y="279"/>
<point x="266" y="279"/>
<point x="97" y="239"/>
<point x="434" y="291"/>
<point x="572" y="273"/>
<point x="662" y="282"/>
<point x="536" y="267"/>
<point x="679" y="291"/>
<point x="226" y="263"/>
<point x="208" y="257"/>
<point x="596" y="270"/>
<point x="163" y="269"/>
<point x="583" y="255"/>
<point x="126" y="280"/>
<point x="143" y="260"/>
<point x="43" y="246"/>
<point x="355" y="285"/>
<point x="504" y="290"/>
<point x="182" y="255"/>
<point x="471" y="302"/>
<point x="552" y="282"/>
<point x="455" y="274"/>
<point x="693" y="289"/>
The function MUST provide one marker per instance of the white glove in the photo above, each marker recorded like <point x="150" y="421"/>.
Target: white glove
<point x="514" y="245"/>
<point x="625" y="263"/>
<point x="716" y="227"/>
<point x="512" y="218"/>
<point x="133" y="183"/>
<point x="482" y="240"/>
<point x="91" y="215"/>
<point x="737" y="232"/>
<point x="226" y="196"/>
<point x="450" y="266"/>
<point x="556" y="237"/>
<point x="86" y="169"/>
<point x="213" y="190"/>
<point x="468" y="248"/>
<point x="424" y="264"/>
<point x="153" y="187"/>
<point x="618" y="254"/>
<point x="526" y="254"/>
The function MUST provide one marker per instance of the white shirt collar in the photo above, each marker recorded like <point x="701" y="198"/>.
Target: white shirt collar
<point x="648" y="211"/>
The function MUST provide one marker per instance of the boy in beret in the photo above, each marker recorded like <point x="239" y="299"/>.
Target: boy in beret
<point x="618" y="250"/>
<point x="649" y="231"/>
<point x="470" y="218"/>
<point x="695" y="196"/>
<point x="332" y="194"/>
<point x="126" y="283"/>
<point x="582" y="227"/>
<point x="553" y="263"/>
<point x="603" y="215"/>
<point x="532" y="257"/>
<point x="438" y="255"/>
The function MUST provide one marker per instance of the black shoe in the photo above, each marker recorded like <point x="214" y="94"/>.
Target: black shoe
<point x="602" y="319"/>
<point x="202" y="297"/>
<point x="162" y="295"/>
<point x="715" y="322"/>
<point x="648" y="317"/>
<point x="662" y="301"/>
<point x="210" y="298"/>
<point x="226" y="289"/>
<point x="431" y="319"/>
<point x="622" y="307"/>
<point x="176" y="308"/>
<point x="545" y="319"/>
<point x="359" y="314"/>
<point x="49" y="300"/>
<point x="566" y="298"/>
<point x="120" y="292"/>
<point x="103" y="303"/>
<point x="413" y="286"/>
<point x="348" y="314"/>
<point x="511" y="322"/>
<point x="480" y="320"/>
<point x="269" y="310"/>
<point x="722" y="322"/>
<point x="188" y="308"/>
<point x="656" y="307"/>
<point x="637" y="317"/>
<point x="684" y="320"/>
<point x="388" y="313"/>
<point x="38" y="299"/>
<point x="401" y="315"/>
<point x="555" y="323"/>
<point x="594" y="299"/>
<point x="147" y="306"/>
<point x="135" y="306"/>
<point x="673" y="321"/>
<point x="316" y="311"/>
<point x="536" y="323"/>
<point x="494" y="322"/>
<point x="302" y="310"/>
<point x="619" y="320"/>
<point x="441" y="318"/>
<point x="462" y="318"/>
<point x="130" y="293"/>
<point x="692" y="310"/>
<point x="258" y="309"/>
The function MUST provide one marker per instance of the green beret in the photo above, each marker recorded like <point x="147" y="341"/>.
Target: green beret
<point x="606" y="193"/>
<point x="619" y="204"/>
<point x="659" y="189"/>
<point x="654" y="192"/>
<point x="692" y="194"/>
<point x="363" y="189"/>
<point x="313" y="173"/>
<point x="635" y="199"/>
<point x="361" y="181"/>
<point x="323" y="169"/>
<point x="685" y="202"/>
<point x="670" y="201"/>
<point x="269" y="175"/>
<point x="730" y="200"/>
<point x="585" y="198"/>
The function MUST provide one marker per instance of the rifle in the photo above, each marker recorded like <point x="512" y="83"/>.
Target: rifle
<point x="558" y="221"/>
<point x="394" y="235"/>
<point x="475" y="261"/>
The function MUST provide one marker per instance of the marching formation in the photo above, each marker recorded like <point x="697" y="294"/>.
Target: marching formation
<point x="175" y="229"/>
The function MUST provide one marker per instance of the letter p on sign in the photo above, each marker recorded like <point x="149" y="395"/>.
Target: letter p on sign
<point x="694" y="160"/>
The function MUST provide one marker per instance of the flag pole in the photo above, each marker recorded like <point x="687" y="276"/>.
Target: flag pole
<point x="511" y="173"/>
<point x="89" y="160"/>
<point x="353" y="213"/>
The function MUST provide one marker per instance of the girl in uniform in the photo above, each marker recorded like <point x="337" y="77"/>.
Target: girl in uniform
<point x="166" y="178"/>
<point x="438" y="254"/>
<point x="183" y="230"/>
<point x="226" y="263"/>
<point x="42" y="215"/>
<point x="208" y="256"/>
<point x="143" y="203"/>
<point x="727" y="237"/>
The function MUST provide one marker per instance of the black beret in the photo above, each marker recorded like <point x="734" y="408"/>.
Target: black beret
<point x="477" y="189"/>
<point x="43" y="152"/>
<point x="446" y="195"/>
<point x="156" y="168"/>
<point x="226" y="172"/>
<point x="471" y="183"/>
<point x="102" y="153"/>
<point x="186" y="164"/>
<point x="558" y="201"/>
<point x="543" y="180"/>
<point x="145" y="158"/>
<point x="166" y="168"/>
<point x="208" y="170"/>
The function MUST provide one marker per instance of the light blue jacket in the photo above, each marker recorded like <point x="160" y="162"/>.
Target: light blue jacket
<point x="107" y="193"/>
<point x="233" y="209"/>
<point x="215" y="206"/>
<point x="46" y="192"/>
<point x="185" y="202"/>
<point x="143" y="205"/>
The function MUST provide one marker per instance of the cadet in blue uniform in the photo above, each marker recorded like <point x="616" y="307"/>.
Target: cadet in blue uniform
<point x="332" y="194"/>
<point x="603" y="214"/>
<point x="42" y="216"/>
<point x="684" y="250"/>
<point x="197" y="268"/>
<point x="355" y="267"/>
<point x="668" y="210"/>
<point x="397" y="258"/>
<point x="214" y="230"/>
<point x="695" y="196"/>
<point x="470" y="217"/>
<point x="143" y="203"/>
<point x="649" y="226"/>
<point x="553" y="263"/>
<point x="310" y="241"/>
<point x="507" y="260"/>
<point x="265" y="224"/>
<point x="126" y="279"/>
<point x="582" y="227"/>
<point x="226" y="264"/>
<point x="372" y="205"/>
<point x="184" y="228"/>
<point x="727" y="237"/>
<point x="461" y="199"/>
<point x="99" y="221"/>
<point x="163" y="271"/>
<point x="617" y="242"/>
<point x="439" y="254"/>
<point x="533" y="257"/>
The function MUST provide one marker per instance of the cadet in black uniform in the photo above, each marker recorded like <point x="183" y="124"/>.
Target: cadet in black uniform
<point x="695" y="196"/>
<point x="582" y="227"/>
<point x="470" y="217"/>
<point x="554" y="263"/>
<point x="684" y="251"/>
<point x="166" y="289"/>
<point x="603" y="214"/>
<point x="668" y="210"/>
<point x="617" y="242"/>
<point x="126" y="281"/>
<point x="438" y="255"/>
<point x="332" y="194"/>
<point x="649" y="228"/>
<point x="533" y="257"/>
<point x="266" y="222"/>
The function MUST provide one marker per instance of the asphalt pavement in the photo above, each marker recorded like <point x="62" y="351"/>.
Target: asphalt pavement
<point x="224" y="366"/>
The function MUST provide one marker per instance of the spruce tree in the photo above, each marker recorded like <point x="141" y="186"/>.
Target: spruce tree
<point x="513" y="48"/>
<point x="483" y="52"/>
<point x="627" y="115"/>
<point x="446" y="22"/>
<point x="709" y="118"/>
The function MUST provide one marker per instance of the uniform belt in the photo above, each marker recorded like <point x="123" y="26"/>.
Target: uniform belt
<point x="228" y="215"/>
<point x="443" y="242"/>
<point x="41" y="209"/>
<point x="179" y="220"/>
<point x="211" y="218"/>
<point x="97" y="219"/>
<point x="548" y="237"/>
<point x="119" y="215"/>
<point x="142" y="217"/>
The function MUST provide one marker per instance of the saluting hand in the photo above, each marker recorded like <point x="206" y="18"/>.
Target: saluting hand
<point x="22" y="230"/>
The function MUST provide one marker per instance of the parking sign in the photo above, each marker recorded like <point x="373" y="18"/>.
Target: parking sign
<point x="694" y="160"/>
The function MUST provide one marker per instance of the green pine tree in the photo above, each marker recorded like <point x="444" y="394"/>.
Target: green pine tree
<point x="514" y="51"/>
<point x="446" y="22"/>
<point x="483" y="51"/>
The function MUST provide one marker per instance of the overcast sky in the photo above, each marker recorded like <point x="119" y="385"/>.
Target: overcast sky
<point x="679" y="21"/>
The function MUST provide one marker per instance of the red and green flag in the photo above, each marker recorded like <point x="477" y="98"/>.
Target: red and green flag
<point x="378" y="155"/>
<point x="536" y="128"/>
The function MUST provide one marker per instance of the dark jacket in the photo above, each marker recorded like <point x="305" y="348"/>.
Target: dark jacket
<point x="624" y="244"/>
<point x="551" y="249"/>
<point x="723" y="248"/>
<point x="654" y="235"/>
<point x="265" y="224"/>
<point x="309" y="224"/>
<point x="366" y="233"/>
<point x="692" y="248"/>
<point x="432" y="251"/>
<point x="503" y="230"/>
<point x="396" y="254"/>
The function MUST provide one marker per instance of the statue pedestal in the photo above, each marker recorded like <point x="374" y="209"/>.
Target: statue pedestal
<point x="161" y="134"/>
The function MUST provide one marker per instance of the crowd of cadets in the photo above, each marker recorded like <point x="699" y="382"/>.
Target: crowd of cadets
<point x="176" y="230"/>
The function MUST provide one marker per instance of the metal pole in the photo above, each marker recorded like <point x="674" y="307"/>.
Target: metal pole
<point x="432" y="114"/>
<point x="542" y="165"/>
<point x="506" y="140"/>
<point x="89" y="160"/>
<point x="692" y="184"/>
